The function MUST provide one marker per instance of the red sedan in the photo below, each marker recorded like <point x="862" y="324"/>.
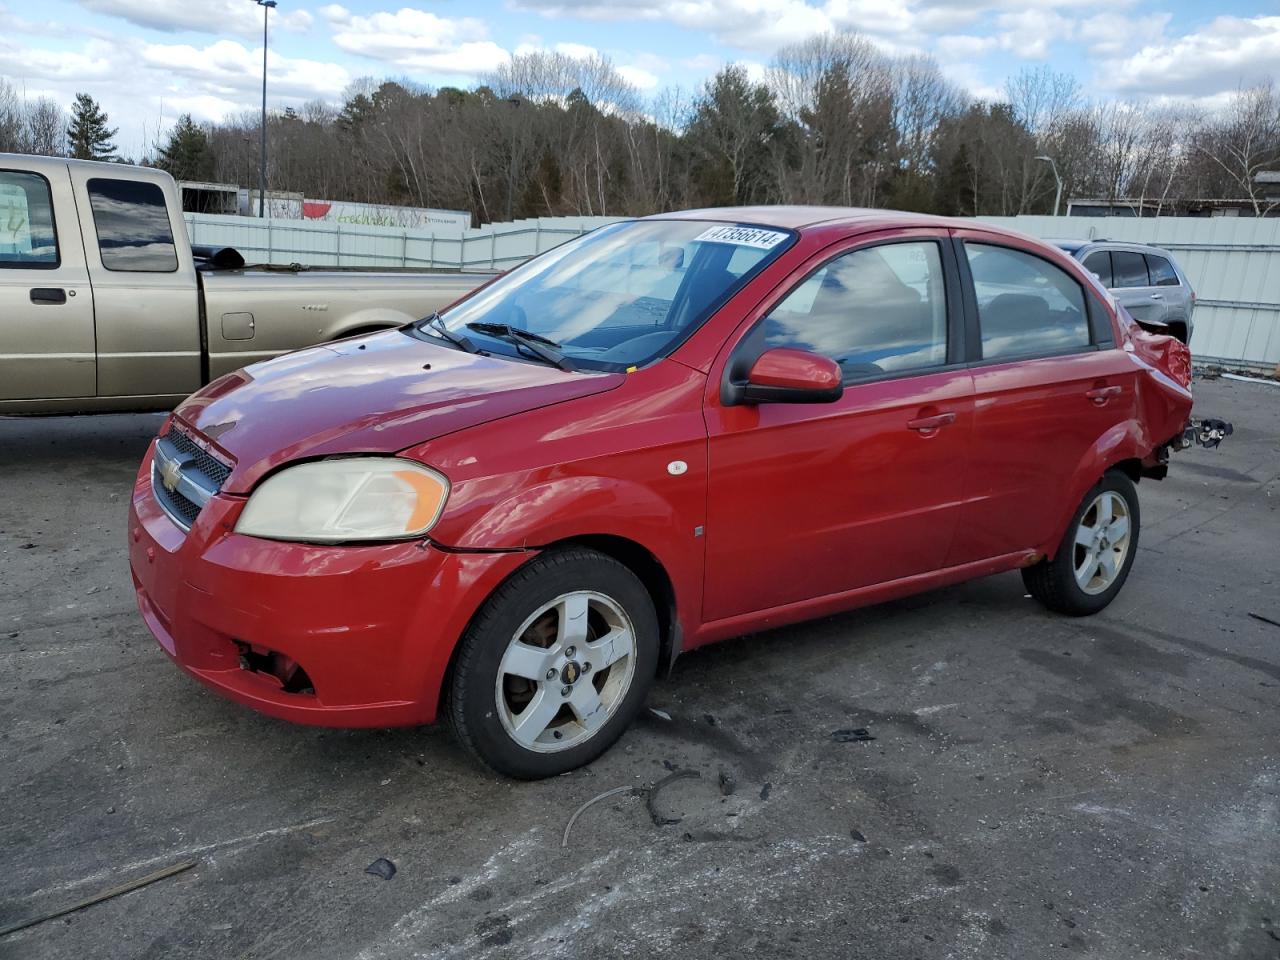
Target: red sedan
<point x="668" y="432"/>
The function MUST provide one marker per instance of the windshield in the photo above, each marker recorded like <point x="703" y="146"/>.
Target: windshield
<point x="620" y="296"/>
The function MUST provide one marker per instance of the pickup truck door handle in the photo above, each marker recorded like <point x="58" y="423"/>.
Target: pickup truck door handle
<point x="927" y="424"/>
<point x="48" y="295"/>
<point x="1100" y="395"/>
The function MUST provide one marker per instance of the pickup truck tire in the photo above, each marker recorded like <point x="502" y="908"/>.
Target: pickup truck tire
<point x="555" y="666"/>
<point x="1095" y="556"/>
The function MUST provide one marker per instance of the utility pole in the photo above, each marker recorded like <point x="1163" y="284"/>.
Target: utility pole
<point x="266" y="6"/>
<point x="1057" y="199"/>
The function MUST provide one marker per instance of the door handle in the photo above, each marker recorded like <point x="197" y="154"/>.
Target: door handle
<point x="48" y="295"/>
<point x="1157" y="296"/>
<point x="926" y="424"/>
<point x="1100" y="395"/>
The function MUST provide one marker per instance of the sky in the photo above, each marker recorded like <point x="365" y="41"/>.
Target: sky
<point x="148" y="61"/>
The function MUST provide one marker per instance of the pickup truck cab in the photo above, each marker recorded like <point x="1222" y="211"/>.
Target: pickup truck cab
<point x="104" y="305"/>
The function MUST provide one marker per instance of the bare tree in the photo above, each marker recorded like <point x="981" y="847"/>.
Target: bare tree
<point x="1246" y="141"/>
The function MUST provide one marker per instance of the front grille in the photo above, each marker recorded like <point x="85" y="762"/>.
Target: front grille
<point x="215" y="470"/>
<point x="184" y="476"/>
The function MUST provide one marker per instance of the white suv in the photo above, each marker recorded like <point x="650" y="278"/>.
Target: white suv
<point x="1146" y="281"/>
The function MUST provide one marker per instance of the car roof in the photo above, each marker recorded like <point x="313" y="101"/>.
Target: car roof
<point x="797" y="217"/>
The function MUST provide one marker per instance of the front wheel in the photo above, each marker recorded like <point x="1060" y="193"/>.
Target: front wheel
<point x="555" y="666"/>
<point x="1095" y="556"/>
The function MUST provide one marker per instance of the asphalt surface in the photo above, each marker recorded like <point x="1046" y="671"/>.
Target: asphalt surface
<point x="1037" y="786"/>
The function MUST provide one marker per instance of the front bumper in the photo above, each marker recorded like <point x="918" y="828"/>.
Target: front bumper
<point x="373" y="627"/>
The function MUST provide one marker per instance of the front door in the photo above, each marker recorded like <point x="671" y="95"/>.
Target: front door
<point x="808" y="500"/>
<point x="46" y="303"/>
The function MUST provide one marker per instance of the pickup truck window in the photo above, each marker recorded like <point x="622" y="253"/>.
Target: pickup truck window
<point x="27" y="237"/>
<point x="133" y="226"/>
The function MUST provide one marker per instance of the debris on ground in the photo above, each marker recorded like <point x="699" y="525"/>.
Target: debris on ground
<point x="564" y="841"/>
<point x="658" y="819"/>
<point x="858" y="835"/>
<point x="856" y="735"/>
<point x="660" y="714"/>
<point x="764" y="791"/>
<point x="100" y="897"/>
<point x="710" y="720"/>
<point x="728" y="783"/>
<point x="382" y="867"/>
<point x="1258" y="616"/>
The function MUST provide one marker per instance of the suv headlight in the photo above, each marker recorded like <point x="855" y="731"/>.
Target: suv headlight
<point x="335" y="501"/>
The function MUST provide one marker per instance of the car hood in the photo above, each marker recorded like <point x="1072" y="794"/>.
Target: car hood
<point x="375" y="394"/>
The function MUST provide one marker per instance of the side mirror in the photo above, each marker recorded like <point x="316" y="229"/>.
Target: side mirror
<point x="787" y="375"/>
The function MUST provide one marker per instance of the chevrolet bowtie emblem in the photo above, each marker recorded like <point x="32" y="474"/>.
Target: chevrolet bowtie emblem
<point x="170" y="474"/>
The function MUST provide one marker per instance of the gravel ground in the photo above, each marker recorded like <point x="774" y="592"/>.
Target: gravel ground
<point x="1036" y="786"/>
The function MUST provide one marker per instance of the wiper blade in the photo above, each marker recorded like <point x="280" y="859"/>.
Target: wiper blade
<point x="459" y="341"/>
<point x="541" y="347"/>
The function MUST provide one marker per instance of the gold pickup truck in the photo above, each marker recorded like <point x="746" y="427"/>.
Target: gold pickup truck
<point x="104" y="305"/>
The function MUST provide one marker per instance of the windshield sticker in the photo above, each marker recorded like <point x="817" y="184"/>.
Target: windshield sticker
<point x="742" y="237"/>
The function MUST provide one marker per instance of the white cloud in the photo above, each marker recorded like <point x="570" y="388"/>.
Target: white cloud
<point x="638" y="77"/>
<point x="226" y="67"/>
<point x="1112" y="34"/>
<point x="239" y="17"/>
<point x="417" y="40"/>
<point x="1226" y="53"/>
<point x="1028" y="33"/>
<point x="963" y="46"/>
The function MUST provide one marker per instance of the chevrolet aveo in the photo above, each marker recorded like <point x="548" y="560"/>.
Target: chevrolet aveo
<point x="671" y="431"/>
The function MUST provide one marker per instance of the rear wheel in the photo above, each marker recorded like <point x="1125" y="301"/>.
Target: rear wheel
<point x="1094" y="558"/>
<point x="555" y="666"/>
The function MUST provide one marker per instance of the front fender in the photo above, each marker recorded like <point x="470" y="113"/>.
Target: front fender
<point x="576" y="507"/>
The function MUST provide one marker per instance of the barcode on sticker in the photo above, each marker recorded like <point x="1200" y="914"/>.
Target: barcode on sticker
<point x="742" y="236"/>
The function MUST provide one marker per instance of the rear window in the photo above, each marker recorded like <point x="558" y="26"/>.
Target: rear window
<point x="1026" y="306"/>
<point x="132" y="224"/>
<point x="1161" y="271"/>
<point x="27" y="237"/>
<point x="1130" y="269"/>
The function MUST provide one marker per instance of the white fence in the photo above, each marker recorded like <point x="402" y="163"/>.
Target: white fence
<point x="1233" y="263"/>
<point x="495" y="246"/>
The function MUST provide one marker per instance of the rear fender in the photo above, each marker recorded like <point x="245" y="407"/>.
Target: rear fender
<point x="366" y="321"/>
<point x="1124" y="441"/>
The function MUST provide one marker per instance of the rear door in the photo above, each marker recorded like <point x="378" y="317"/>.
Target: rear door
<point x="809" y="500"/>
<point x="1132" y="287"/>
<point x="1176" y="295"/>
<point x="46" y="304"/>
<point x="1048" y="383"/>
<point x="145" y="297"/>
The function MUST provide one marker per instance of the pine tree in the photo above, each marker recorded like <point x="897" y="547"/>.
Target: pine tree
<point x="187" y="155"/>
<point x="88" y="137"/>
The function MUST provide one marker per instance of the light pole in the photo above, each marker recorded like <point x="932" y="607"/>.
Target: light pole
<point x="1057" y="198"/>
<point x="511" y="165"/>
<point x="266" y="6"/>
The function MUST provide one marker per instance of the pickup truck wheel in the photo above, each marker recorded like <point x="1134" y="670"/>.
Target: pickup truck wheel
<point x="1095" y="556"/>
<point x="555" y="666"/>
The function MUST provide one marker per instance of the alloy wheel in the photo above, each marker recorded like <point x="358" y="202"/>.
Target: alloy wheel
<point x="566" y="671"/>
<point x="1101" y="542"/>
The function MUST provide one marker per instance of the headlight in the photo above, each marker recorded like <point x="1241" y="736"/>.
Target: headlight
<point x="360" y="498"/>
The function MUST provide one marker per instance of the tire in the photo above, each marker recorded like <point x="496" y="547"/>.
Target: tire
<point x="524" y="696"/>
<point x="1072" y="583"/>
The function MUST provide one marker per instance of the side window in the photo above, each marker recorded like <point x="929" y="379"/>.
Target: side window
<point x="1161" y="271"/>
<point x="27" y="237"/>
<point x="1099" y="262"/>
<point x="1130" y="268"/>
<point x="133" y="226"/>
<point x="1026" y="306"/>
<point x="874" y="311"/>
